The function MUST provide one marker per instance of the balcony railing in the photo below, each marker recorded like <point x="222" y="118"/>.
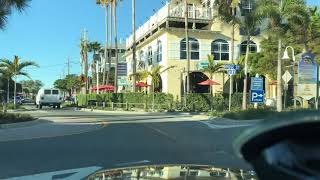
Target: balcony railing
<point x="171" y="11"/>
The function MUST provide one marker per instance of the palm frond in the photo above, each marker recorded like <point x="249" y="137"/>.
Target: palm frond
<point x="25" y="64"/>
<point x="23" y="74"/>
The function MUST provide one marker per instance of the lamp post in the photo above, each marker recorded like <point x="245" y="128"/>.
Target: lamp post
<point x="286" y="57"/>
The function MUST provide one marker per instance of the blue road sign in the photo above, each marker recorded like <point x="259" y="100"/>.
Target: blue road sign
<point x="231" y="72"/>
<point x="231" y="66"/>
<point x="256" y="83"/>
<point x="257" y="96"/>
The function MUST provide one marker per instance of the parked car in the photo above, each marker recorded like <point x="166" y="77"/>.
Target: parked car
<point x="49" y="97"/>
<point x="28" y="101"/>
<point x="18" y="100"/>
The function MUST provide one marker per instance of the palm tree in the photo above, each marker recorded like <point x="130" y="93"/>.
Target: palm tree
<point x="14" y="69"/>
<point x="6" y="7"/>
<point x="115" y="44"/>
<point x="154" y="73"/>
<point x="279" y="13"/>
<point x="84" y="60"/>
<point x="106" y="51"/>
<point x="250" y="23"/>
<point x="94" y="47"/>
<point x="212" y="68"/>
<point x="134" y="59"/>
<point x="227" y="13"/>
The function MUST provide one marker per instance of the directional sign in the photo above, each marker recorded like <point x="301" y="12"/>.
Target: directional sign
<point x="286" y="77"/>
<point x="256" y="83"/>
<point x="257" y="96"/>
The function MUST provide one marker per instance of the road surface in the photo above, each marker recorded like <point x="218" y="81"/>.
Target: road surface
<point x="114" y="140"/>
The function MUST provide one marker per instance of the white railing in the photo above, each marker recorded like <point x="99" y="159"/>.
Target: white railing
<point x="170" y="10"/>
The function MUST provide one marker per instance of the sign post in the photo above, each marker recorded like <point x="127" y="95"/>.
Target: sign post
<point x="257" y="92"/>
<point x="232" y="70"/>
<point x="286" y="78"/>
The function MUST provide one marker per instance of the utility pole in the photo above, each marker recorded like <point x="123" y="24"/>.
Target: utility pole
<point x="68" y="65"/>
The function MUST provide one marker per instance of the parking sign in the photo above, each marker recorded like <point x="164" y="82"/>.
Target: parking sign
<point x="257" y="96"/>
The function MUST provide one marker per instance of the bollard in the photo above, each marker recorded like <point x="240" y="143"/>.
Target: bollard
<point x="104" y="104"/>
<point x="127" y="106"/>
<point x="112" y="106"/>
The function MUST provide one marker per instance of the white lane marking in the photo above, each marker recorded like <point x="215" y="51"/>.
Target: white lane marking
<point x="70" y="174"/>
<point x="133" y="163"/>
<point x="216" y="126"/>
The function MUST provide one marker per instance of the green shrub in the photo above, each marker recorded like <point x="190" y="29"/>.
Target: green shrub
<point x="6" y="118"/>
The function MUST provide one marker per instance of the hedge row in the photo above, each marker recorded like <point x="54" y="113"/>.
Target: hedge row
<point x="195" y="102"/>
<point x="160" y="98"/>
<point x="206" y="102"/>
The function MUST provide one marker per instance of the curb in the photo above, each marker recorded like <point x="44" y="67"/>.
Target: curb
<point x="23" y="124"/>
<point x="234" y="120"/>
<point x="139" y="112"/>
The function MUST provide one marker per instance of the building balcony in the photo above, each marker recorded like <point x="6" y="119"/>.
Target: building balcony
<point x="173" y="12"/>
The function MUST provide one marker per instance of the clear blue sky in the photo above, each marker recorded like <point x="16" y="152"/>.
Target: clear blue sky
<point x="49" y="31"/>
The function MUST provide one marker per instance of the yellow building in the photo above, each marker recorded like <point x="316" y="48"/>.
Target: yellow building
<point x="161" y="40"/>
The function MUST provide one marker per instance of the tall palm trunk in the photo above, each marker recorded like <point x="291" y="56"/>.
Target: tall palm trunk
<point x="245" y="84"/>
<point x="104" y="81"/>
<point x="15" y="92"/>
<point x="187" y="44"/>
<point x="110" y="46"/>
<point x="134" y="45"/>
<point x="8" y="91"/>
<point x="115" y="44"/>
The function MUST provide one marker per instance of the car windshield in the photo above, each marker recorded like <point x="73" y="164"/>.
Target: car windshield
<point x="92" y="85"/>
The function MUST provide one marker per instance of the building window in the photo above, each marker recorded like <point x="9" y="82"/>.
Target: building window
<point x="149" y="55"/>
<point x="246" y="7"/>
<point x="141" y="63"/>
<point x="220" y="50"/>
<point x="252" y="47"/>
<point x="159" y="51"/>
<point x="194" y="49"/>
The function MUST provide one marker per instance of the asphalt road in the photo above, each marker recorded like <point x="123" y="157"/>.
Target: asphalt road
<point x="122" y="139"/>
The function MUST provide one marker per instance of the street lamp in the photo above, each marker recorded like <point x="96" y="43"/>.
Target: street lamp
<point x="286" y="57"/>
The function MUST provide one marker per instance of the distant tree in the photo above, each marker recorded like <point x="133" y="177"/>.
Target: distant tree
<point x="31" y="86"/>
<point x="68" y="84"/>
<point x="60" y="84"/>
<point x="14" y="68"/>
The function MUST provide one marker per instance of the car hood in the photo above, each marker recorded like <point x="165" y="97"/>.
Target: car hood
<point x="174" y="171"/>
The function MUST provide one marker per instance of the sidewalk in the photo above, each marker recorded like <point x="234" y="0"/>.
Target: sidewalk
<point x="44" y="129"/>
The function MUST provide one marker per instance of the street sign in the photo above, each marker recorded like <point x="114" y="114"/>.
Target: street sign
<point x="256" y="83"/>
<point x="307" y="77"/>
<point x="122" y="81"/>
<point x="231" y="66"/>
<point x="122" y="69"/>
<point x="231" y="72"/>
<point x="202" y="65"/>
<point x="286" y="77"/>
<point x="257" y="96"/>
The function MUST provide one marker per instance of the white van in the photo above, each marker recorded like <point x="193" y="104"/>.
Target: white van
<point x="49" y="97"/>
